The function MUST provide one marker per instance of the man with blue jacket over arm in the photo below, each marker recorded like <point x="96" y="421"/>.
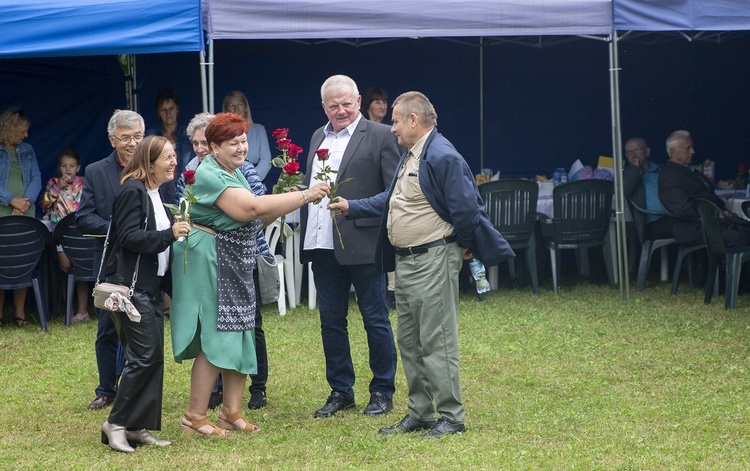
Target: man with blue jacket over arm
<point x="433" y="220"/>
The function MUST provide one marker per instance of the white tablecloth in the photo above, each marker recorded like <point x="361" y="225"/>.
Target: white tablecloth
<point x="733" y="200"/>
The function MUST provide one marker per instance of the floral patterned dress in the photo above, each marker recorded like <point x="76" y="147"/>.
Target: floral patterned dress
<point x="58" y="203"/>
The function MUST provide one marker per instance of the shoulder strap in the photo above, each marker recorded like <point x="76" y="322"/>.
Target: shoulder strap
<point x="137" y="262"/>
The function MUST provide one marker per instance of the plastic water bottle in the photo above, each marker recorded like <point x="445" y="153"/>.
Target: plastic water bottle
<point x="478" y="273"/>
<point x="557" y="177"/>
<point x="563" y="176"/>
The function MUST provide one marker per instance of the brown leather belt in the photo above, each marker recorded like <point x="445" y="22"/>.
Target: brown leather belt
<point x="418" y="249"/>
<point x="203" y="228"/>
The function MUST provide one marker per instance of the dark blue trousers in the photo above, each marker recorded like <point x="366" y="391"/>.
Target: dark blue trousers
<point x="333" y="282"/>
<point x="109" y="356"/>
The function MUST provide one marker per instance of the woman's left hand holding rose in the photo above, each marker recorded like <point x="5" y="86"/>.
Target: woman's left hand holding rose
<point x="180" y="229"/>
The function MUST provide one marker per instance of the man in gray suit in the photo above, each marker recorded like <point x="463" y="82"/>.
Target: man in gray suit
<point x="367" y="153"/>
<point x="100" y="186"/>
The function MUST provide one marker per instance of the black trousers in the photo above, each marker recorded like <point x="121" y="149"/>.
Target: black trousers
<point x="139" y="396"/>
<point x="259" y="380"/>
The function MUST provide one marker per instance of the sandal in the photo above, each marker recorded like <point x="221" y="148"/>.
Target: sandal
<point x="196" y="425"/>
<point x="228" y="423"/>
<point x="20" y="322"/>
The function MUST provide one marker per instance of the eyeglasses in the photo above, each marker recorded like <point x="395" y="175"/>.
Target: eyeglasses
<point x="633" y="151"/>
<point x="128" y="139"/>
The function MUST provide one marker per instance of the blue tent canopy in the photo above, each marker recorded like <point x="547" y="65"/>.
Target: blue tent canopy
<point x="60" y="28"/>
<point x="681" y="15"/>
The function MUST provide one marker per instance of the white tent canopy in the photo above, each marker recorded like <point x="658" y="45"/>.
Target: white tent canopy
<point x="306" y="19"/>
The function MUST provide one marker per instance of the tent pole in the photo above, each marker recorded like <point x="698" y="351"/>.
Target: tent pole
<point x="135" y="83"/>
<point x="211" y="76"/>
<point x="204" y="86"/>
<point x="622" y="246"/>
<point x="481" y="105"/>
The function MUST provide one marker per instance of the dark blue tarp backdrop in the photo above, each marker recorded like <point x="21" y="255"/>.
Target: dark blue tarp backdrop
<point x="68" y="101"/>
<point x="544" y="107"/>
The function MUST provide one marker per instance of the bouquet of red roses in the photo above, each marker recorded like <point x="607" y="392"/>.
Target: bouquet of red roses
<point x="290" y="178"/>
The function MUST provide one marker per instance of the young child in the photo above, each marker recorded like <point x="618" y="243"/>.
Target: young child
<point x="62" y="197"/>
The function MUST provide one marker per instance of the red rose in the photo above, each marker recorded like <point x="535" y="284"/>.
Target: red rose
<point x="280" y="133"/>
<point x="322" y="154"/>
<point x="742" y="168"/>
<point x="189" y="177"/>
<point x="283" y="143"/>
<point x="294" y="150"/>
<point x="291" y="168"/>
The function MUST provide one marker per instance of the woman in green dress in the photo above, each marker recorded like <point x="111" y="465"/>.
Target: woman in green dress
<point x="213" y="305"/>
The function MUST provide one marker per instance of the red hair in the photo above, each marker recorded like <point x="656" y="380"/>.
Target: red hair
<point x="225" y="126"/>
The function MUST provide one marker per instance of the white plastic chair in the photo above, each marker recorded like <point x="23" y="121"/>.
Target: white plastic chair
<point x="299" y="269"/>
<point x="284" y="262"/>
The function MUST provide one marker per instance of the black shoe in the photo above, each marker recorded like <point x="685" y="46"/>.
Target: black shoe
<point x="443" y="427"/>
<point x="379" y="404"/>
<point x="336" y="402"/>
<point x="101" y="402"/>
<point x="257" y="400"/>
<point x="407" y="425"/>
<point x="390" y="300"/>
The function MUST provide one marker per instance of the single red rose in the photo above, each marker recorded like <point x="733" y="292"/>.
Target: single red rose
<point x="291" y="168"/>
<point x="283" y="143"/>
<point x="742" y="168"/>
<point x="280" y="133"/>
<point x="294" y="150"/>
<point x="189" y="177"/>
<point x="322" y="154"/>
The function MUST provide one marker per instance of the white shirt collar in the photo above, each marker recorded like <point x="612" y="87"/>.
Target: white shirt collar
<point x="328" y="129"/>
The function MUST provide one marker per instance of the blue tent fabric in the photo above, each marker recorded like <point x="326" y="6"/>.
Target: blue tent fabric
<point x="60" y="28"/>
<point x="682" y="15"/>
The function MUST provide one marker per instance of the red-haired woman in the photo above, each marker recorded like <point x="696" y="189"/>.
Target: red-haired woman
<point x="213" y="305"/>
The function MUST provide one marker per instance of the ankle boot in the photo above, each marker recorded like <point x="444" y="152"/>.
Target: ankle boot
<point x="114" y="436"/>
<point x="144" y="437"/>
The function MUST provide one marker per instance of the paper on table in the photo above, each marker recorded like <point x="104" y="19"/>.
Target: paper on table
<point x="577" y="165"/>
<point x="607" y="163"/>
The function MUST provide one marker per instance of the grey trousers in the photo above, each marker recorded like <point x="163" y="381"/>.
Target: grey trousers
<point x="427" y="309"/>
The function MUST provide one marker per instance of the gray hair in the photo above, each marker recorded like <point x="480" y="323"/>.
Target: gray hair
<point x="125" y="119"/>
<point x="200" y="121"/>
<point x="674" y="139"/>
<point x="419" y="104"/>
<point x="336" y="83"/>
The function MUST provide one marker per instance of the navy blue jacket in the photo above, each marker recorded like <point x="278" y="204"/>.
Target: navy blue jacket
<point x="450" y="188"/>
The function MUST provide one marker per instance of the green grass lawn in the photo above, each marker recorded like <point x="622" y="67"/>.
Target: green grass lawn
<point x="579" y="380"/>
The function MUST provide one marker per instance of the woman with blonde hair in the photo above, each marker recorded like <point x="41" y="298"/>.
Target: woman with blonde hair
<point x="20" y="185"/>
<point x="258" y="149"/>
<point x="140" y="235"/>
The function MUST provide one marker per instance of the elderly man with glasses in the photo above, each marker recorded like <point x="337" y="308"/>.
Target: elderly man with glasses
<point x="101" y="185"/>
<point x="641" y="184"/>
